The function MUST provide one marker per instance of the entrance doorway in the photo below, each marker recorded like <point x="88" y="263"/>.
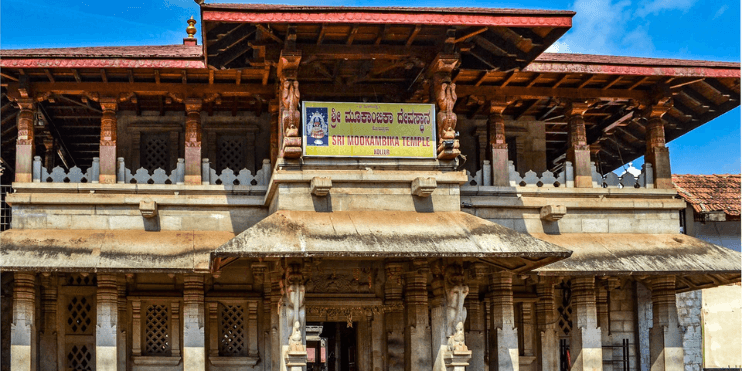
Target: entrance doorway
<point x="331" y="346"/>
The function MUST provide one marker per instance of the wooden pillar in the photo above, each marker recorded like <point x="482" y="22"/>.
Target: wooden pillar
<point x="547" y="341"/>
<point x="443" y="90"/>
<point x="193" y="141"/>
<point x="273" y="110"/>
<point x="23" y="328"/>
<point x="503" y="335"/>
<point x="417" y="329"/>
<point x="578" y="151"/>
<point x="194" y="342"/>
<point x="25" y="148"/>
<point x="108" y="129"/>
<point x="48" y="335"/>
<point x="586" y="343"/>
<point x="665" y="338"/>
<point x="498" y="144"/>
<point x="394" y="318"/>
<point x="106" y="334"/>
<point x="289" y="116"/>
<point x="49" y="152"/>
<point x="657" y="153"/>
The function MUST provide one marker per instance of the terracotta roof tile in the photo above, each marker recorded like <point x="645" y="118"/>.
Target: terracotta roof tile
<point x="621" y="60"/>
<point x="719" y="192"/>
<point x="467" y="10"/>
<point x="147" y="51"/>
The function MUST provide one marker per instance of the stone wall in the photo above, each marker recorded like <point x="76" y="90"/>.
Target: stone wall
<point x="622" y="326"/>
<point x="644" y="314"/>
<point x="689" y="316"/>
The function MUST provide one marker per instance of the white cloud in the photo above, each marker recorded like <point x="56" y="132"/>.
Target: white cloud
<point x="598" y="26"/>
<point x="720" y="11"/>
<point x="559" y="47"/>
<point x="657" y="6"/>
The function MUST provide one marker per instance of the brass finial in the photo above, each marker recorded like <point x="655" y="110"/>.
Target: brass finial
<point x="191" y="29"/>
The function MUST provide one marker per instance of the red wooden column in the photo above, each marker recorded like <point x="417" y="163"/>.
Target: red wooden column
<point x="289" y="116"/>
<point x="108" y="141"/>
<point x="444" y="92"/>
<point x="657" y="153"/>
<point x="193" y="141"/>
<point x="498" y="144"/>
<point x="579" y="152"/>
<point x="25" y="148"/>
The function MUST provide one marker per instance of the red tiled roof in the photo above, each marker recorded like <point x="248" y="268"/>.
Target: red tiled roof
<point x="300" y="8"/>
<point x="719" y="192"/>
<point x="134" y="52"/>
<point x="621" y="60"/>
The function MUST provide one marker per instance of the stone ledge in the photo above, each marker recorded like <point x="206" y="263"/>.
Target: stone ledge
<point x="156" y="361"/>
<point x="138" y="188"/>
<point x="234" y="361"/>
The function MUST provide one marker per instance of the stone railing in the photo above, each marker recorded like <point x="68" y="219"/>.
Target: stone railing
<point x="158" y="176"/>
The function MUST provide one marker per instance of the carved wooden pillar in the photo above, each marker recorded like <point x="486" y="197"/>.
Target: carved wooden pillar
<point x="498" y="144"/>
<point x="25" y="147"/>
<point x="23" y="329"/>
<point x="665" y="338"/>
<point x="394" y="318"/>
<point x="48" y="336"/>
<point x="273" y="110"/>
<point x="443" y="90"/>
<point x="586" y="343"/>
<point x="503" y="335"/>
<point x="49" y="151"/>
<point x="657" y="153"/>
<point x="289" y="116"/>
<point x="417" y="329"/>
<point x="475" y="334"/>
<point x="547" y="341"/>
<point x="194" y="351"/>
<point x="193" y="141"/>
<point x="107" y="323"/>
<point x="108" y="129"/>
<point x="578" y="151"/>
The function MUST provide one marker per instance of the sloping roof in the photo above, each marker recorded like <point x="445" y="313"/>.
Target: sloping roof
<point x="144" y="51"/>
<point x="622" y="60"/>
<point x="468" y="10"/>
<point x="718" y="192"/>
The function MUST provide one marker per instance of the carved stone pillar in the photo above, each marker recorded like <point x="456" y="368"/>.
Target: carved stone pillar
<point x="25" y="147"/>
<point x="48" y="336"/>
<point x="193" y="141"/>
<point x="289" y="116"/>
<point x="601" y="295"/>
<point x="448" y="311"/>
<point x="586" y="343"/>
<point x="475" y="334"/>
<point x="657" y="153"/>
<point x="292" y="321"/>
<point x="394" y="318"/>
<point x="503" y="335"/>
<point x="665" y="338"/>
<point x="547" y="340"/>
<point x="122" y="324"/>
<point x="23" y="328"/>
<point x="194" y="347"/>
<point x="107" y="323"/>
<point x="378" y="344"/>
<point x="526" y="328"/>
<point x="443" y="90"/>
<point x="578" y="151"/>
<point x="498" y="144"/>
<point x="417" y="330"/>
<point x="275" y="311"/>
<point x="108" y="129"/>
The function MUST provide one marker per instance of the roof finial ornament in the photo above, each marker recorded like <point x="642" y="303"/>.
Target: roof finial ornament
<point x="191" y="29"/>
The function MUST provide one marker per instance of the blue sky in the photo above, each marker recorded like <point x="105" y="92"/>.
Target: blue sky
<point x="686" y="29"/>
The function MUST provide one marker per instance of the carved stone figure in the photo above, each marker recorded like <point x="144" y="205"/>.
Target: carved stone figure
<point x="295" y="342"/>
<point x="290" y="118"/>
<point x="294" y="297"/>
<point x="446" y="99"/>
<point x="456" y="293"/>
<point x="456" y="341"/>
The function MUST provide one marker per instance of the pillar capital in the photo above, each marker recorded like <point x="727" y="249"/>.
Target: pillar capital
<point x="109" y="104"/>
<point x="193" y="105"/>
<point x="575" y="109"/>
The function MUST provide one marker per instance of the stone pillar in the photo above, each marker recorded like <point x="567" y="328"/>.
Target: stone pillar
<point x="289" y="116"/>
<point x="193" y="142"/>
<point x="378" y="351"/>
<point x="417" y="330"/>
<point x="122" y="324"/>
<point x="475" y="333"/>
<point x="108" y="129"/>
<point x="665" y="339"/>
<point x="601" y="293"/>
<point x="48" y="336"/>
<point x="447" y="310"/>
<point x="503" y="335"/>
<point x="106" y="350"/>
<point x="194" y="347"/>
<point x="394" y="318"/>
<point x="498" y="144"/>
<point x="443" y="90"/>
<point x="526" y="329"/>
<point x="585" y="345"/>
<point x="275" y="299"/>
<point x="23" y="328"/>
<point x="547" y="340"/>
<point x="25" y="147"/>
<point x="578" y="151"/>
<point x="657" y="153"/>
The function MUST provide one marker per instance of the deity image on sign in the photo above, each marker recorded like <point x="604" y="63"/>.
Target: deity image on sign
<point x="315" y="127"/>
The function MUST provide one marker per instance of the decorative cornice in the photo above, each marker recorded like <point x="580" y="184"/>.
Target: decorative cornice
<point x="631" y="70"/>
<point x="99" y="63"/>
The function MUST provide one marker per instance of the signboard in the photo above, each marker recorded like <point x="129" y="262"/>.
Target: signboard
<point x="368" y="130"/>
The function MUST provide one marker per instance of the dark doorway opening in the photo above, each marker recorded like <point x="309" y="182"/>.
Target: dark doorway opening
<point x="331" y="346"/>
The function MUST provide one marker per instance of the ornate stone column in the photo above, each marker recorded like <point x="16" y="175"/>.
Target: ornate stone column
<point x="503" y="335"/>
<point x="657" y="153"/>
<point x="394" y="317"/>
<point x="498" y="143"/>
<point x="417" y="330"/>
<point x="274" y="336"/>
<point x="23" y="328"/>
<point x="292" y="321"/>
<point x="443" y="90"/>
<point x="476" y="329"/>
<point x="601" y="294"/>
<point x="547" y="340"/>
<point x="665" y="338"/>
<point x="194" y="342"/>
<point x="122" y="324"/>
<point x="108" y="129"/>
<point x="48" y="336"/>
<point x="107" y="323"/>
<point x="25" y="147"/>
<point x="193" y="141"/>
<point x="585" y="345"/>
<point x="448" y="312"/>
<point x="578" y="151"/>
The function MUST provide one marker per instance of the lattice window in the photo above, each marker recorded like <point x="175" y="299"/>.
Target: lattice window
<point x="232" y="330"/>
<point x="565" y="308"/>
<point x="76" y="279"/>
<point x="232" y="153"/>
<point x="80" y="358"/>
<point x="155" y="151"/>
<point x="79" y="316"/>
<point x="157" y="330"/>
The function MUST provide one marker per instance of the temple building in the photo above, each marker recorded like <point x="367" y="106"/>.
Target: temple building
<point x="350" y="189"/>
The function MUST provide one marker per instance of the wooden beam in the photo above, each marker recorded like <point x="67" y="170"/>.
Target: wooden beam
<point x="528" y="108"/>
<point x="76" y="75"/>
<point x="236" y="35"/>
<point x="364" y="52"/>
<point x="381" y="35"/>
<point x="266" y="32"/>
<point x="8" y="76"/>
<point x="510" y="77"/>
<point x="238" y="78"/>
<point x="561" y="81"/>
<point x="470" y="35"/>
<point x="103" y="75"/>
<point x="157" y="76"/>
<point x="613" y="82"/>
<point x="685" y="82"/>
<point x="211" y="76"/>
<point x="533" y="81"/>
<point x="636" y="84"/>
<point x="227" y="56"/>
<point x="352" y="35"/>
<point x="533" y="93"/>
<point x="698" y="97"/>
<point x="587" y="81"/>
<point x="184" y="76"/>
<point x="148" y="89"/>
<point x="49" y="75"/>
<point x="413" y="35"/>
<point x="321" y="36"/>
<point x="131" y="76"/>
<point x="722" y="89"/>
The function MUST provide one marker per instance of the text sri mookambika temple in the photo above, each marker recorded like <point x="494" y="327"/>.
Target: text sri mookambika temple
<point x="350" y="189"/>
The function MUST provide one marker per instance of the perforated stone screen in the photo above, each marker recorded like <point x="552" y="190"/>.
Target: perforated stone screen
<point x="79" y="317"/>
<point x="231" y="152"/>
<point x="155" y="151"/>
<point x="79" y="358"/>
<point x="157" y="330"/>
<point x="564" y="308"/>
<point x="232" y="330"/>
